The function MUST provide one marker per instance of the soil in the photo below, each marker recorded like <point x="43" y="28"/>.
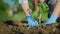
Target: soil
<point x="8" y="27"/>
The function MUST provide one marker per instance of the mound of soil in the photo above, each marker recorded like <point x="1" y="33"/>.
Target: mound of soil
<point x="4" y="28"/>
<point x="24" y="29"/>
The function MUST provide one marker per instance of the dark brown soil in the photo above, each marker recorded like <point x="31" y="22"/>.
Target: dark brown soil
<point x="8" y="27"/>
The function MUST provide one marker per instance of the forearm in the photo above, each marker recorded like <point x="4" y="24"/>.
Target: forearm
<point x="57" y="8"/>
<point x="25" y="6"/>
<point x="35" y="2"/>
<point x="26" y="9"/>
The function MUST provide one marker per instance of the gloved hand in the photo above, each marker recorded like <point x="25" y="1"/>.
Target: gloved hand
<point x="52" y="19"/>
<point x="31" y="22"/>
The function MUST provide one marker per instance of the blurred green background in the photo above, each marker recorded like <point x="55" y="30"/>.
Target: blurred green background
<point x="10" y="9"/>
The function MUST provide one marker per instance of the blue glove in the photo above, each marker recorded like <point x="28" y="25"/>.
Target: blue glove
<point x="52" y="19"/>
<point x="31" y="22"/>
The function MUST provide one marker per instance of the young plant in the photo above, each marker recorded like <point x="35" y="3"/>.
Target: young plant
<point x="42" y="14"/>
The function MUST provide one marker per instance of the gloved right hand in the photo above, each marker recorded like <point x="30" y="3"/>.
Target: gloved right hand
<point x="31" y="22"/>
